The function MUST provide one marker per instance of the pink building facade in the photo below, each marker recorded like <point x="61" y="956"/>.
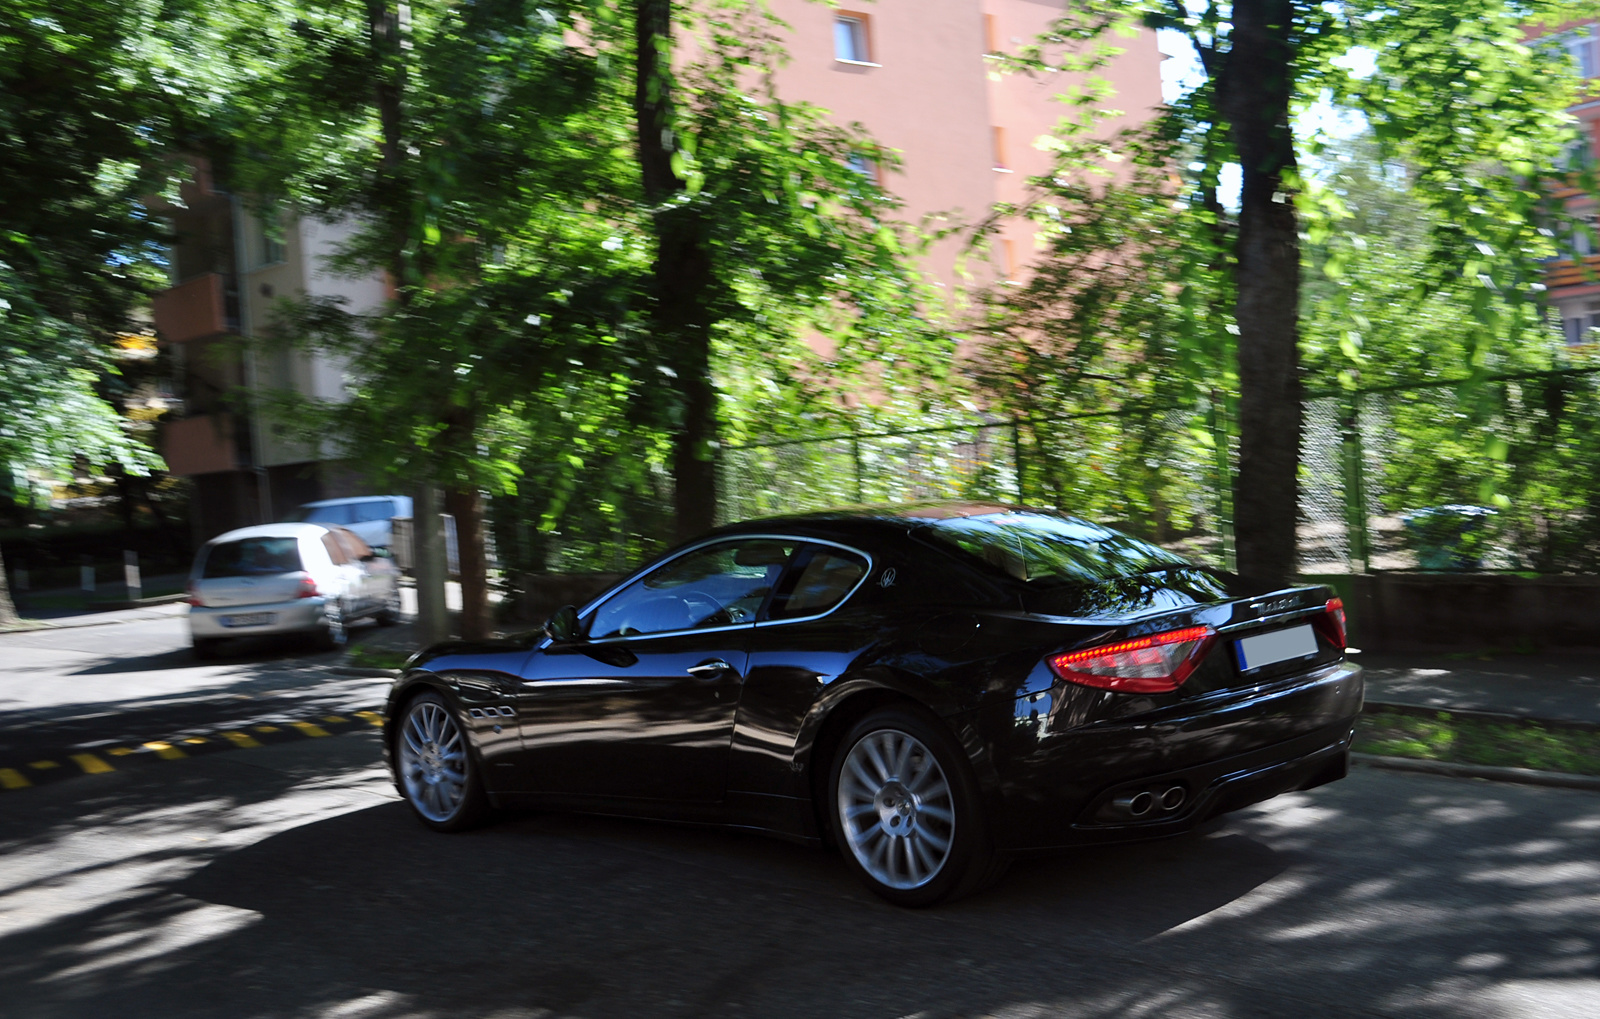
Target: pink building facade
<point x="1574" y="277"/>
<point x="917" y="75"/>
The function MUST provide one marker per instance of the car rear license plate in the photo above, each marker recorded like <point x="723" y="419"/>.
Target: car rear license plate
<point x="1278" y="646"/>
<point x="250" y="619"/>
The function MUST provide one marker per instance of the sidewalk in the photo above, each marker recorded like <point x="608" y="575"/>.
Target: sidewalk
<point x="1560" y="688"/>
<point x="160" y="610"/>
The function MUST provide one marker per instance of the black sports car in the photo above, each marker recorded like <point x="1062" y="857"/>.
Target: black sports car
<point x="934" y="688"/>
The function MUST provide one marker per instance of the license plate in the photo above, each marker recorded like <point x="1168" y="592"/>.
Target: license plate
<point x="1278" y="646"/>
<point x="250" y="619"/>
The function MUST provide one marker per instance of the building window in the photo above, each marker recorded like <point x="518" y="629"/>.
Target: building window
<point x="1584" y="328"/>
<point x="998" y="140"/>
<point x="1579" y="46"/>
<point x="850" y="39"/>
<point x="864" y="166"/>
<point x="991" y="35"/>
<point x="269" y="243"/>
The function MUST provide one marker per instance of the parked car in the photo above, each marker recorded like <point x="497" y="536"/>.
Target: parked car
<point x="366" y="515"/>
<point x="288" y="578"/>
<point x="934" y="688"/>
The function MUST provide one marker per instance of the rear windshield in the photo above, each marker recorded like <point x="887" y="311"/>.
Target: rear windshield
<point x="252" y="557"/>
<point x="1049" y="550"/>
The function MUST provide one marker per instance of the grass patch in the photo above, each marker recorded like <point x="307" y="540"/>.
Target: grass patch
<point x="376" y="657"/>
<point x="1446" y="737"/>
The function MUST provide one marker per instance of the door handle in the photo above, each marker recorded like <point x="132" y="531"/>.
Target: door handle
<point x="709" y="668"/>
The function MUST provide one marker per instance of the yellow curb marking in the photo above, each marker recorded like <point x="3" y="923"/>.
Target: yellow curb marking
<point x="44" y="765"/>
<point x="166" y="750"/>
<point x="309" y="729"/>
<point x="240" y="739"/>
<point x="194" y="739"/>
<point x="92" y="765"/>
<point x="334" y="718"/>
<point x="266" y="728"/>
<point x="11" y="778"/>
<point x="120" y="751"/>
<point x="372" y="717"/>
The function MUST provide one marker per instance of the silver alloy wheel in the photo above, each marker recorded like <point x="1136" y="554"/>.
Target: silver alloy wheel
<point x="336" y="632"/>
<point x="433" y="761"/>
<point x="896" y="809"/>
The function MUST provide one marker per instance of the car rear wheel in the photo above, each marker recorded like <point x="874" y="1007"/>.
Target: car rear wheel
<point x="906" y="810"/>
<point x="390" y="613"/>
<point x="437" y="775"/>
<point x="335" y="625"/>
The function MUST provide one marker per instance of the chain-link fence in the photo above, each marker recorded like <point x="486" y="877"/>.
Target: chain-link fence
<point x="1153" y="471"/>
<point x="1497" y="473"/>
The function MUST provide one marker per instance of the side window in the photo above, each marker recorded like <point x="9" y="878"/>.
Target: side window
<point x="369" y="511"/>
<point x="827" y="576"/>
<point x="338" y="513"/>
<point x="719" y="585"/>
<point x="354" y="548"/>
<point x="335" y="550"/>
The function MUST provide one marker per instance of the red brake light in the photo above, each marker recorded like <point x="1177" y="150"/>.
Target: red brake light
<point x="194" y="595"/>
<point x="1335" y="610"/>
<point x="1158" y="663"/>
<point x="308" y="587"/>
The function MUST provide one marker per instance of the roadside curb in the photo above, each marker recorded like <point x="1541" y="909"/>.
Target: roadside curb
<point x="1472" y="714"/>
<point x="1521" y="776"/>
<point x="361" y="670"/>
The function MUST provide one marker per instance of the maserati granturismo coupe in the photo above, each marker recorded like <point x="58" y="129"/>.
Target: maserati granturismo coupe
<point x="934" y="689"/>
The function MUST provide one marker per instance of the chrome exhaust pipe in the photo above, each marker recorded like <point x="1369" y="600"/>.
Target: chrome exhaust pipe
<point x="1137" y="805"/>
<point x="1173" y="798"/>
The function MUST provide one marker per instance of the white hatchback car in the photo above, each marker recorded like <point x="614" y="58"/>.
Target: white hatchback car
<point x="288" y="578"/>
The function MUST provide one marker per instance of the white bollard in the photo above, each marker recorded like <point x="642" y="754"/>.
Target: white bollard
<point x="86" y="578"/>
<point x="130" y="574"/>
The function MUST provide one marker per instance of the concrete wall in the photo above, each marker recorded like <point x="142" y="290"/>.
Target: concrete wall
<point x="1469" y="611"/>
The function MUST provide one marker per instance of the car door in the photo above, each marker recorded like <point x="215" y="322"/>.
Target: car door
<point x="642" y="705"/>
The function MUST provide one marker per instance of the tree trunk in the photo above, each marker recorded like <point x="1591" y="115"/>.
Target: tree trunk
<point x="1254" y="94"/>
<point x="466" y="505"/>
<point x="8" y="611"/>
<point x="681" y="312"/>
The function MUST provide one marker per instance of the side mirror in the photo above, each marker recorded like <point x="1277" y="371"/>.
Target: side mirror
<point x="562" y="626"/>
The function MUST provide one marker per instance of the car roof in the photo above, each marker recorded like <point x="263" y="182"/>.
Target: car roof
<point x="271" y="531"/>
<point x="348" y="499"/>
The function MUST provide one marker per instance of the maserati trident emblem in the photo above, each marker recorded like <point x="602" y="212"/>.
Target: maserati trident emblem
<point x="886" y="579"/>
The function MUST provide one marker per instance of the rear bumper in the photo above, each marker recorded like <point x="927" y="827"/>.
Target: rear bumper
<point x="298" y="616"/>
<point x="1224" y="753"/>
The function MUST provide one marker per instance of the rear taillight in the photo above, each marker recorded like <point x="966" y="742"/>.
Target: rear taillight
<point x="307" y="588"/>
<point x="194" y="596"/>
<point x="1158" y="663"/>
<point x="1335" y="622"/>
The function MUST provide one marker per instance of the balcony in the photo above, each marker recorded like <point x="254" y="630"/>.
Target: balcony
<point x="1569" y="273"/>
<point x="204" y="444"/>
<point x="196" y="309"/>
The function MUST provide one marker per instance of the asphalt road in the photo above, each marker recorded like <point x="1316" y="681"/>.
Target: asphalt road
<point x="287" y="880"/>
<point x="118" y="687"/>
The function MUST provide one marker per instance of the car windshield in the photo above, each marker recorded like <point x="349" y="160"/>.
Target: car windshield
<point x="252" y="557"/>
<point x="1048" y="550"/>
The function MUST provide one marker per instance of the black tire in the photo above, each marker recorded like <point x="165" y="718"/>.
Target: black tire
<point x="205" y="649"/>
<point x="335" y="626"/>
<point x="390" y="613"/>
<point x="424" y="777"/>
<point x="908" y="818"/>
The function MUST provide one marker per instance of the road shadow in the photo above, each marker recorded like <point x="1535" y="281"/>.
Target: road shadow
<point x="1386" y="896"/>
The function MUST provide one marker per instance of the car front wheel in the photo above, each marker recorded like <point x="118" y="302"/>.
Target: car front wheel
<point x="437" y="775"/>
<point x="906" y="810"/>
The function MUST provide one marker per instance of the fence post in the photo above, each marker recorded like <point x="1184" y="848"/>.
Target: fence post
<point x="1222" y="444"/>
<point x="855" y="456"/>
<point x="1016" y="460"/>
<point x="1355" y="489"/>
